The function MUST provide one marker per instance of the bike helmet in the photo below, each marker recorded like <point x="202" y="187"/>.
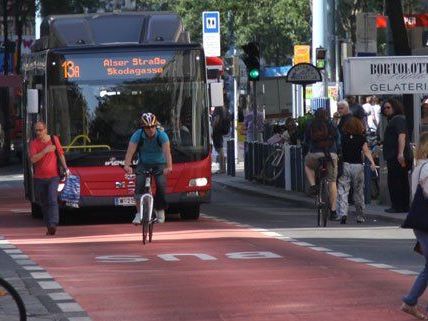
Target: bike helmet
<point x="148" y="120"/>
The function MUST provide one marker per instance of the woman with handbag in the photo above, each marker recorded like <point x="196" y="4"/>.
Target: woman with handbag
<point x="417" y="219"/>
<point x="43" y="155"/>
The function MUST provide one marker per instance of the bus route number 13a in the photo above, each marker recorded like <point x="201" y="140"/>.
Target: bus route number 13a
<point x="71" y="70"/>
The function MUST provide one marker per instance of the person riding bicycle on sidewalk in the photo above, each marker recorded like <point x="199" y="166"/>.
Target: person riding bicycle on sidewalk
<point x="154" y="154"/>
<point x="323" y="140"/>
<point x="354" y="144"/>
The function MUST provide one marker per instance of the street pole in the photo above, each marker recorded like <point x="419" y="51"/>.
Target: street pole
<point x="235" y="117"/>
<point x="254" y="105"/>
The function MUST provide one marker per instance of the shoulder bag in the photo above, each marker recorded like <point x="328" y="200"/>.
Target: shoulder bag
<point x="417" y="218"/>
<point x="62" y="173"/>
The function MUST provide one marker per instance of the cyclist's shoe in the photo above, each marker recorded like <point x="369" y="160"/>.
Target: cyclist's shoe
<point x="334" y="216"/>
<point x="160" y="214"/>
<point x="313" y="190"/>
<point x="361" y="218"/>
<point x="137" y="219"/>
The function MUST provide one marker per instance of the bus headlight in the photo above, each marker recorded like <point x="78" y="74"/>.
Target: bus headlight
<point x="202" y="181"/>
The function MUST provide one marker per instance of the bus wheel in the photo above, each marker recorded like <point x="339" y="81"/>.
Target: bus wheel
<point x="190" y="212"/>
<point x="36" y="211"/>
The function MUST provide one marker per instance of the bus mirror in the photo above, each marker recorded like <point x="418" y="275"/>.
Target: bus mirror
<point x="216" y="94"/>
<point x="32" y="101"/>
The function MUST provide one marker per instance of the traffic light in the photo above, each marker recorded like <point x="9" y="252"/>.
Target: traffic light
<point x="320" y="57"/>
<point x="251" y="58"/>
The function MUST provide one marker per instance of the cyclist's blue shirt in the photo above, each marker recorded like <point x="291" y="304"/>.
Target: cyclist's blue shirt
<point x="150" y="153"/>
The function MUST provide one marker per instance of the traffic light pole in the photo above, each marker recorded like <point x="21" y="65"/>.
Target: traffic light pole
<point x="254" y="105"/>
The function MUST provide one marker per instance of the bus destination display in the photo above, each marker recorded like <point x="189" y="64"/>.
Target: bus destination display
<point x="92" y="68"/>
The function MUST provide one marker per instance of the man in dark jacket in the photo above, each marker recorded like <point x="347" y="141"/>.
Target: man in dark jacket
<point x="398" y="156"/>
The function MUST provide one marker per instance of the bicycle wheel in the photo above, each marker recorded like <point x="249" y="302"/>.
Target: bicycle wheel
<point x="12" y="306"/>
<point x="273" y="167"/>
<point x="325" y="202"/>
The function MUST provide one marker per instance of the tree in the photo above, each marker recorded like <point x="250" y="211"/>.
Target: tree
<point x="276" y="25"/>
<point x="24" y="13"/>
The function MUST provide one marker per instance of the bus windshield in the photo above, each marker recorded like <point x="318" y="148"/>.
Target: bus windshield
<point x="95" y="102"/>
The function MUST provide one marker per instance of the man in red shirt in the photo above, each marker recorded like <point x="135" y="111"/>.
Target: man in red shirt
<point x="43" y="157"/>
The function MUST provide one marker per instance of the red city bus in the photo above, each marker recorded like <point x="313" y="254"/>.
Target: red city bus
<point x="89" y="78"/>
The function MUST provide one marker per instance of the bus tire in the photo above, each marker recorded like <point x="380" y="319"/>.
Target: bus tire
<point x="190" y="212"/>
<point x="36" y="211"/>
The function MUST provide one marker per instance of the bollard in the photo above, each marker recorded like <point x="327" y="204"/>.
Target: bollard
<point x="367" y="182"/>
<point x="231" y="157"/>
<point x="250" y="160"/>
<point x="246" y="160"/>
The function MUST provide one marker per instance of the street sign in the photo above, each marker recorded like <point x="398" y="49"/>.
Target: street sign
<point x="211" y="33"/>
<point x="303" y="74"/>
<point x="302" y="53"/>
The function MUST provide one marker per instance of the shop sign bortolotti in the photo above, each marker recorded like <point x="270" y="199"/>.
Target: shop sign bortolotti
<point x="385" y="75"/>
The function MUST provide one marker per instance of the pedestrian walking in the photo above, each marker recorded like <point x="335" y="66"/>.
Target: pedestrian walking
<point x="417" y="219"/>
<point x="398" y="156"/>
<point x="354" y="145"/>
<point x="221" y="126"/>
<point x="43" y="155"/>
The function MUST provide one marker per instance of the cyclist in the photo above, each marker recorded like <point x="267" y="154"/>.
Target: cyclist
<point x="154" y="154"/>
<point x="323" y="140"/>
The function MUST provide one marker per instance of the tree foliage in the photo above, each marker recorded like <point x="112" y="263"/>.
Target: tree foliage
<point x="276" y="25"/>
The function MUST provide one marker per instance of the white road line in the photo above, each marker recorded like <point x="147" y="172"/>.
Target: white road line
<point x="80" y="319"/>
<point x="49" y="285"/>
<point x="338" y="254"/>
<point x="303" y="244"/>
<point x="358" y="260"/>
<point x="405" y="272"/>
<point x="381" y="266"/>
<point x="41" y="275"/>
<point x="17" y="251"/>
<point x="320" y="249"/>
<point x="33" y="268"/>
<point x="345" y="256"/>
<point x="60" y="296"/>
<point x="19" y="256"/>
<point x="70" y="307"/>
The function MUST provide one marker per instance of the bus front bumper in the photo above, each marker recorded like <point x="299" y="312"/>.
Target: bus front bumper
<point x="173" y="199"/>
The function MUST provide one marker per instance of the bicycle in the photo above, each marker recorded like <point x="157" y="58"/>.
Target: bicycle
<point x="322" y="200"/>
<point x="273" y="166"/>
<point x="146" y="207"/>
<point x="11" y="305"/>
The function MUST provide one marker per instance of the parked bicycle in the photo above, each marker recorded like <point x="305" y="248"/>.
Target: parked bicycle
<point x="273" y="166"/>
<point x="146" y="207"/>
<point x="322" y="200"/>
<point x="12" y="307"/>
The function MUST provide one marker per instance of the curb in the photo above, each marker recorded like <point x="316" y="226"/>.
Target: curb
<point x="301" y="200"/>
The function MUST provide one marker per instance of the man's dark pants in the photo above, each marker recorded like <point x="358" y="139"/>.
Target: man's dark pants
<point x="159" y="198"/>
<point x="47" y="197"/>
<point x="398" y="185"/>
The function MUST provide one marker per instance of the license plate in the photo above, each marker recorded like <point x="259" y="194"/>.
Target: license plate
<point x="124" y="201"/>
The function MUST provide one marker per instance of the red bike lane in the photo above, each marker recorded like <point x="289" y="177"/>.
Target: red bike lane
<point x="203" y="270"/>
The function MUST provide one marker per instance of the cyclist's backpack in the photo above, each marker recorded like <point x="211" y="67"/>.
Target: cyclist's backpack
<point x="321" y="134"/>
<point x="225" y="123"/>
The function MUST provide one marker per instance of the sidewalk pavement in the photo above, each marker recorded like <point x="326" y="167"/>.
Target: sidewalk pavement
<point x="238" y="182"/>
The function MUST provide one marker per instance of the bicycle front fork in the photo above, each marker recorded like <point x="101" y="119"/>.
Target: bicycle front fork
<point x="146" y="200"/>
